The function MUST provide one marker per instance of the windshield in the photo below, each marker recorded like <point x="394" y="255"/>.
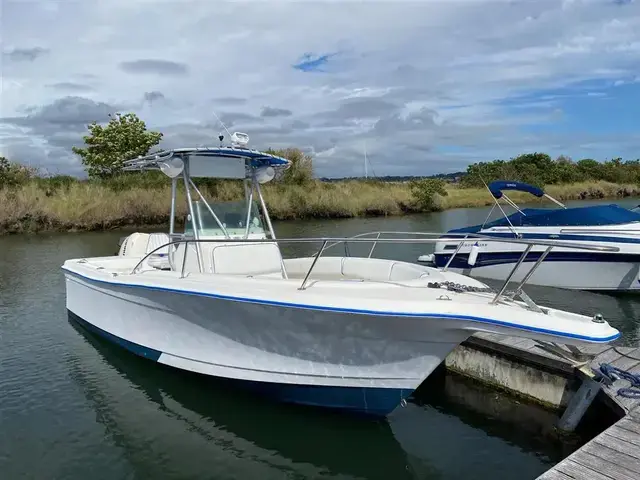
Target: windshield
<point x="233" y="216"/>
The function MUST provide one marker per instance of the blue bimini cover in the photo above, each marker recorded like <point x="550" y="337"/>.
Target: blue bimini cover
<point x="569" y="217"/>
<point x="496" y="188"/>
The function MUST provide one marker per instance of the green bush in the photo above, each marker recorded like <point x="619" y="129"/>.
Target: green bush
<point x="300" y="171"/>
<point x="425" y="193"/>
<point x="13" y="174"/>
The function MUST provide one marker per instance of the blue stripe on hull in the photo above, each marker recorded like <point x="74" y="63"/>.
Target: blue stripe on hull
<point x="359" y="400"/>
<point x="486" y="259"/>
<point x="544" y="236"/>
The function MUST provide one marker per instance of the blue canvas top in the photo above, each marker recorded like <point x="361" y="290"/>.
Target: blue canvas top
<point x="564" y="217"/>
<point x="496" y="188"/>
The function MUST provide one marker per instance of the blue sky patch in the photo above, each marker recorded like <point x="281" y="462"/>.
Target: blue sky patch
<point x="581" y="107"/>
<point x="310" y="62"/>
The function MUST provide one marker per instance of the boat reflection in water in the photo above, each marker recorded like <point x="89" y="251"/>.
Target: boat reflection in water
<point x="173" y="424"/>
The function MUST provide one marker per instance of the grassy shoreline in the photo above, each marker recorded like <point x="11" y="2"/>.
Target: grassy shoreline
<point x="85" y="206"/>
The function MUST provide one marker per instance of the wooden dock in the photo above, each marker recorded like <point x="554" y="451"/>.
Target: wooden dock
<point x="615" y="453"/>
<point x="612" y="455"/>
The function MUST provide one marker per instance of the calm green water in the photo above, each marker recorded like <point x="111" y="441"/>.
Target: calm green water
<point x="75" y="407"/>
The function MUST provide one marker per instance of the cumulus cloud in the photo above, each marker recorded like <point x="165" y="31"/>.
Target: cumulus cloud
<point x="428" y="86"/>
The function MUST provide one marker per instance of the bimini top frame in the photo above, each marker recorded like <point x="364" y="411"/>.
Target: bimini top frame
<point x="234" y="161"/>
<point x="497" y="188"/>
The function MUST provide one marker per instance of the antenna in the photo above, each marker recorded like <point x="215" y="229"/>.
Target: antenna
<point x="223" y="125"/>
<point x="366" y="175"/>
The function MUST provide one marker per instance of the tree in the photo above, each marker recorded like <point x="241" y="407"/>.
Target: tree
<point x="123" y="138"/>
<point x="13" y="174"/>
<point x="301" y="169"/>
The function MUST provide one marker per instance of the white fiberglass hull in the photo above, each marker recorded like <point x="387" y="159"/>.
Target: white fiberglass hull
<point x="563" y="267"/>
<point x="362" y="362"/>
<point x="317" y="346"/>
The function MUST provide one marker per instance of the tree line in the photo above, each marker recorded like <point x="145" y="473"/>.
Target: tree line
<point x="540" y="169"/>
<point x="125" y="136"/>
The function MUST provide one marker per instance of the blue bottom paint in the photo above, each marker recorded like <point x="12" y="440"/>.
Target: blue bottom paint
<point x="357" y="400"/>
<point x="145" y="352"/>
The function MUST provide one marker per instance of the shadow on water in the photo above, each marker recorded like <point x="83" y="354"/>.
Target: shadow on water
<point x="298" y="442"/>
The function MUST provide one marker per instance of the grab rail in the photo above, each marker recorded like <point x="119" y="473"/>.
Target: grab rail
<point x="358" y="239"/>
<point x="627" y="231"/>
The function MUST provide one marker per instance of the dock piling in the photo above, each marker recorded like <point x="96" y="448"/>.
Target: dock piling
<point x="579" y="404"/>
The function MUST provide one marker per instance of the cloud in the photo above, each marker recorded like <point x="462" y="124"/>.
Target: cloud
<point x="50" y="131"/>
<point x="157" y="67"/>
<point x="275" y="112"/>
<point x="364" y="107"/>
<point x="434" y="89"/>
<point x="229" y="101"/>
<point x="70" y="87"/>
<point x="25" y="54"/>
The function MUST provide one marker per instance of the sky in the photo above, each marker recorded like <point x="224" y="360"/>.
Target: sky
<point x="423" y="87"/>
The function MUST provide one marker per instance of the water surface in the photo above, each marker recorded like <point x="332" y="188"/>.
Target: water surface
<point x="73" y="406"/>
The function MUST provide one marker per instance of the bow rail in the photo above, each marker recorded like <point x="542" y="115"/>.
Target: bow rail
<point x="418" y="237"/>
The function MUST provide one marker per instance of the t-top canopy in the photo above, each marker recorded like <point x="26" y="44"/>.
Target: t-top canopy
<point x="496" y="188"/>
<point x="258" y="159"/>
<point x="212" y="162"/>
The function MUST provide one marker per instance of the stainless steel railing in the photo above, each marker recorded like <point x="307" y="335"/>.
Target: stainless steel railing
<point x="419" y="237"/>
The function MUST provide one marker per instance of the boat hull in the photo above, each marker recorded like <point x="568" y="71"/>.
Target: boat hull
<point x="562" y="268"/>
<point x="363" y="364"/>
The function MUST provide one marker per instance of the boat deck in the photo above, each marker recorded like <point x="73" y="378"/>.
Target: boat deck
<point x="615" y="453"/>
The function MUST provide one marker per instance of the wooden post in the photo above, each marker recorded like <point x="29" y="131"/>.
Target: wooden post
<point x="579" y="404"/>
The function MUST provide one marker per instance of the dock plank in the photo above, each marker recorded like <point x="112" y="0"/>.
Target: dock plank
<point x="612" y="453"/>
<point x="619" y="441"/>
<point x="603" y="465"/>
<point x="555" y="475"/>
<point x="608" y="356"/>
<point x="629" y="424"/>
<point x="622" y="435"/>
<point x="578" y="471"/>
<point x="628" y="359"/>
<point x="595" y="349"/>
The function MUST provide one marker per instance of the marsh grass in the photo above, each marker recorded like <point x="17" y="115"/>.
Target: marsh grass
<point x="80" y="205"/>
